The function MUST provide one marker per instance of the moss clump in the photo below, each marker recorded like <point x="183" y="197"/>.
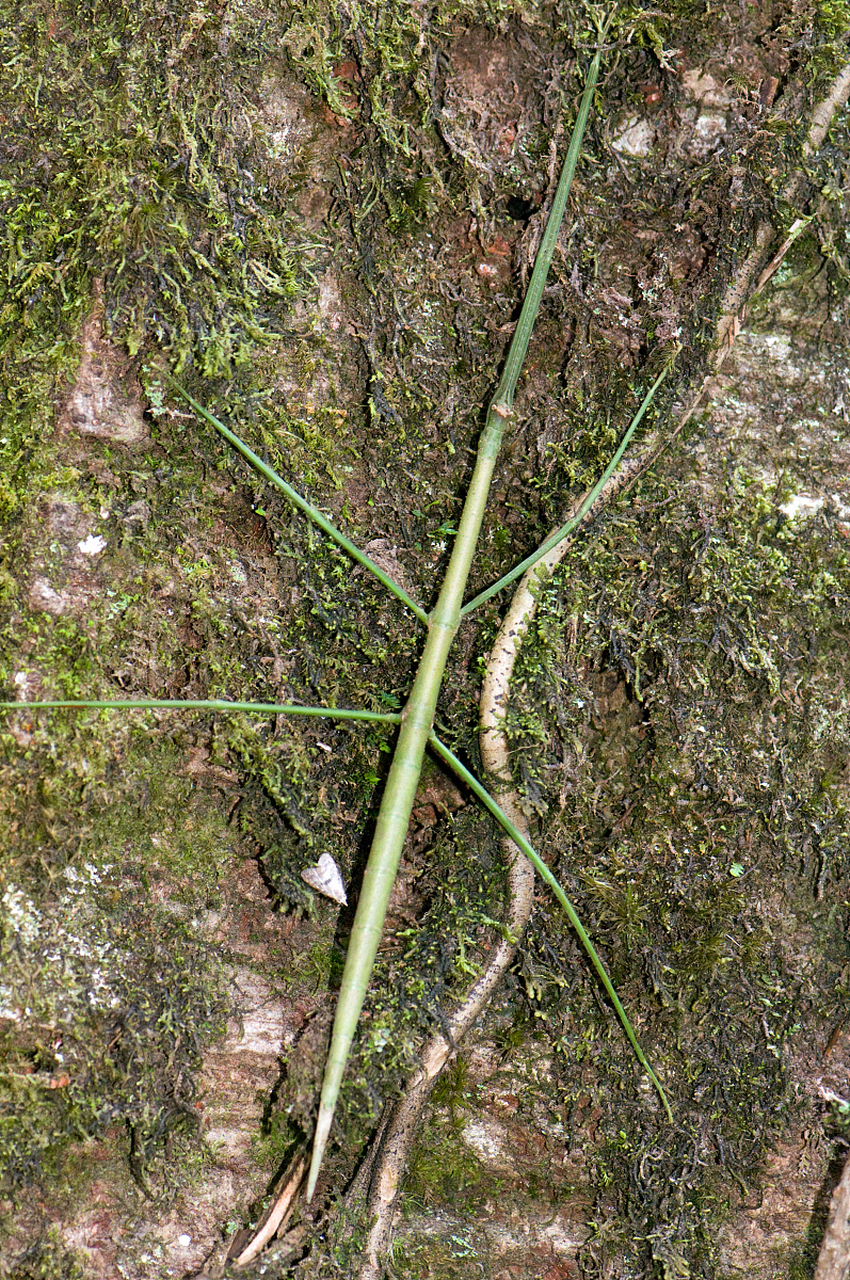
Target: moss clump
<point x="105" y="1009"/>
<point x="443" y="1168"/>
<point x="147" y="189"/>
<point x="703" y="821"/>
<point x="109" y="992"/>
<point x="46" y="1259"/>
<point x="131" y="179"/>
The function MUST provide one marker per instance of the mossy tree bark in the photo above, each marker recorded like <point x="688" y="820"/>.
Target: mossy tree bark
<point x="322" y="216"/>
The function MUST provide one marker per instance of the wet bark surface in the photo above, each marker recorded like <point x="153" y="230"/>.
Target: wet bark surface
<point x="323" y="220"/>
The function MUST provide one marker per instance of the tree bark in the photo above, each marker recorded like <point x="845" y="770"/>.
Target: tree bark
<point x="322" y="219"/>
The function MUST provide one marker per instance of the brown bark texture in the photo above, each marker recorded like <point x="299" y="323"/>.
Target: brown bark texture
<point x="320" y="217"/>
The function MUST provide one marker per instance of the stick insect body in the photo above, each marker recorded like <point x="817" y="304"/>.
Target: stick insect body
<point x="417" y="719"/>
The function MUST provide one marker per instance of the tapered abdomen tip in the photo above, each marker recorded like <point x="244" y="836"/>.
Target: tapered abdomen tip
<point x="320" y="1141"/>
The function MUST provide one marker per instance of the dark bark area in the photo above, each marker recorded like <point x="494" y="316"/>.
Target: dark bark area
<point x="322" y="217"/>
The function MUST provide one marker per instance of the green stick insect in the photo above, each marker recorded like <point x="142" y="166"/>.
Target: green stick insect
<point x="416" y="721"/>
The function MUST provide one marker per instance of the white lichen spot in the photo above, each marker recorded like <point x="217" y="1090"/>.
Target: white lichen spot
<point x="709" y="131"/>
<point x="63" y="955"/>
<point x="20" y="914"/>
<point x="484" y="1141"/>
<point x="705" y="89"/>
<point x="800" y="505"/>
<point x="634" y="137"/>
<point x="20" y="923"/>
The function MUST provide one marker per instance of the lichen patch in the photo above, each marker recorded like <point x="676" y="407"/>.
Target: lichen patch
<point x="106" y="400"/>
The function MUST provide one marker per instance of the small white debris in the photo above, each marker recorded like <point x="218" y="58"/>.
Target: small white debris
<point x="92" y="546"/>
<point x="184" y="1241"/>
<point x="325" y="877"/>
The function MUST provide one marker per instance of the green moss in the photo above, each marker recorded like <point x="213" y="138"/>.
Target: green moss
<point x="450" y="1260"/>
<point x="106" y="1006"/>
<point x="824" y="30"/>
<point x="148" y="189"/>
<point x="132" y="181"/>
<point x="46" y="1259"/>
<point x="155" y="190"/>
<point x="698" y="792"/>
